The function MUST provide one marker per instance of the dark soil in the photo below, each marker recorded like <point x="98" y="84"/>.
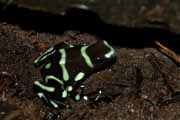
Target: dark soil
<point x="143" y="84"/>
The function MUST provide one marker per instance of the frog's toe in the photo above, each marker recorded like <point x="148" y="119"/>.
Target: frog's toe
<point x="85" y="97"/>
<point x="53" y="104"/>
<point x="43" y="97"/>
<point x="58" y="104"/>
<point x="47" y="101"/>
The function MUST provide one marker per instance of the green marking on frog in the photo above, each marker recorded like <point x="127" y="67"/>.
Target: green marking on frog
<point x="111" y="52"/>
<point x="62" y="63"/>
<point x="51" y="77"/>
<point x="86" y="57"/>
<point x="47" y="66"/>
<point x="2" y="113"/>
<point x="55" y="66"/>
<point x="64" y="94"/>
<point x="69" y="88"/>
<point x="79" y="76"/>
<point x="49" y="52"/>
<point x="46" y="88"/>
<point x="77" y="97"/>
<point x="40" y="94"/>
<point x="71" y="46"/>
<point x="54" y="104"/>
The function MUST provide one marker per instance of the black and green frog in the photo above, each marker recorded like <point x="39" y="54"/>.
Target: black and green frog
<point x="64" y="67"/>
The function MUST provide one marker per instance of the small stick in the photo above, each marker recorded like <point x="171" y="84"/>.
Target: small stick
<point x="169" y="52"/>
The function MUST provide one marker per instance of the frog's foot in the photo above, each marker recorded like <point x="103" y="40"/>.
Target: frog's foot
<point x="51" y="102"/>
<point x="58" y="104"/>
<point x="95" y="96"/>
<point x="98" y="96"/>
<point x="83" y="96"/>
<point x="44" y="92"/>
<point x="80" y="95"/>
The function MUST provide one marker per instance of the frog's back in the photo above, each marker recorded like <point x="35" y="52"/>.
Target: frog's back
<point x="64" y="68"/>
<point x="65" y="64"/>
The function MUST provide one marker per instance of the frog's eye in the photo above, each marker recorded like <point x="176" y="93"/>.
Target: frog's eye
<point x="44" y="57"/>
<point x="100" y="60"/>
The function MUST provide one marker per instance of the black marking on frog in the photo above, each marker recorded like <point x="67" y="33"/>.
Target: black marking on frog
<point x="64" y="67"/>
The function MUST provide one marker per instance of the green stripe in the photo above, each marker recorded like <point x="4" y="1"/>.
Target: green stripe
<point x="54" y="104"/>
<point x="48" y="65"/>
<point x="62" y="63"/>
<point x="86" y="57"/>
<point x="79" y="76"/>
<point x="69" y="88"/>
<point x="51" y="77"/>
<point x="47" y="53"/>
<point x="64" y="94"/>
<point x="48" y="50"/>
<point x="40" y="95"/>
<point x="77" y="97"/>
<point x="46" y="88"/>
<point x="111" y="52"/>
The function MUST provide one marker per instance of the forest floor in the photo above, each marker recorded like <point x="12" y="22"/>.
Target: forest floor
<point x="143" y="84"/>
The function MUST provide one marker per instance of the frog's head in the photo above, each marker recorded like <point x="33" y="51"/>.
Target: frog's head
<point x="101" y="55"/>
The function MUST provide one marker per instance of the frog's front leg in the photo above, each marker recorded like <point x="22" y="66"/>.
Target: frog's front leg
<point x="77" y="96"/>
<point x="95" y="96"/>
<point x="98" y="96"/>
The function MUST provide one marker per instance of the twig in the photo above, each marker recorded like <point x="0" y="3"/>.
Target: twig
<point x="168" y="52"/>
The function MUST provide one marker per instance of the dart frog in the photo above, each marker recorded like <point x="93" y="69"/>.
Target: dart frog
<point x="64" y="67"/>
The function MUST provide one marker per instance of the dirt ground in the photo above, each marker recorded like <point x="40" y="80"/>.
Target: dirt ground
<point x="143" y="84"/>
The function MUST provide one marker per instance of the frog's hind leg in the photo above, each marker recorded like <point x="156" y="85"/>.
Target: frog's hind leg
<point x="39" y="86"/>
<point x="52" y="103"/>
<point x="45" y="92"/>
<point x="42" y="90"/>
